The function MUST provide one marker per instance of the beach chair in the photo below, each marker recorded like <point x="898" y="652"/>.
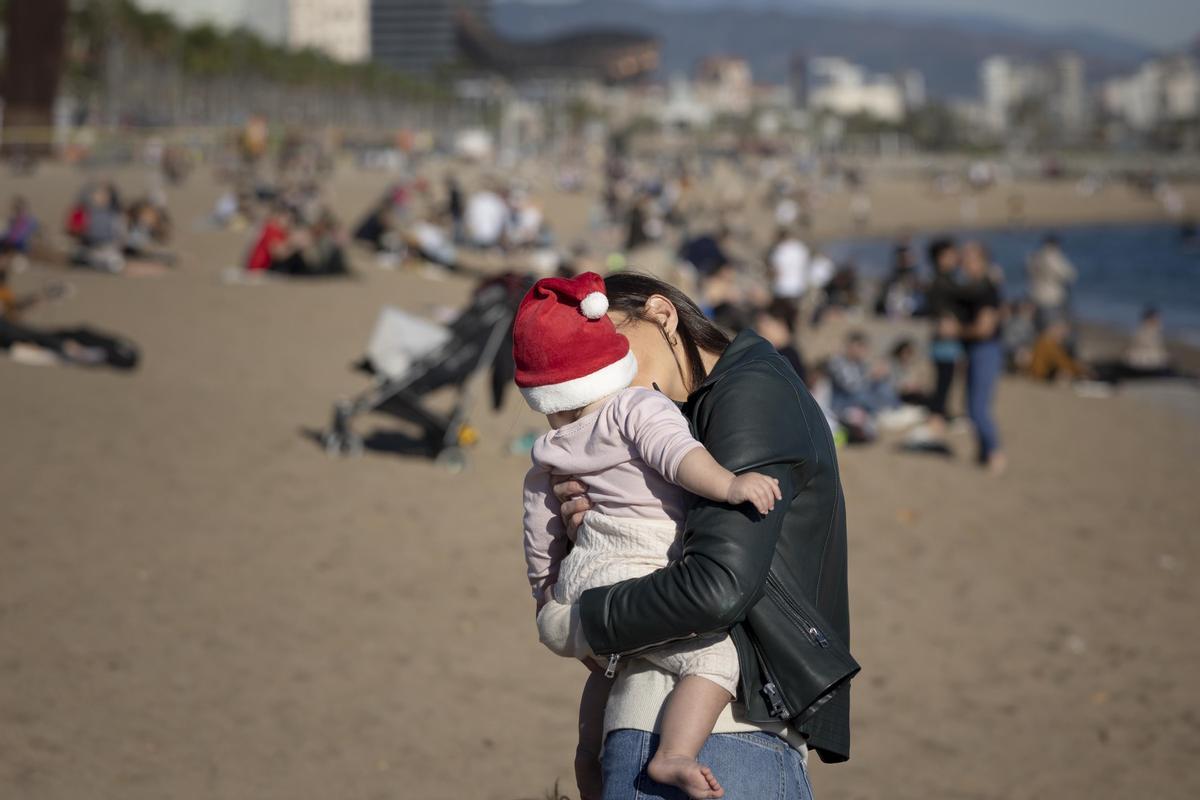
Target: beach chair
<point x="410" y="358"/>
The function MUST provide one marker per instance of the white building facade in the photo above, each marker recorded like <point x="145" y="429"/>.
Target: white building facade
<point x="846" y="89"/>
<point x="339" y="28"/>
<point x="1162" y="90"/>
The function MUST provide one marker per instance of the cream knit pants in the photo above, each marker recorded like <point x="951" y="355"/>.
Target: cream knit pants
<point x="611" y="549"/>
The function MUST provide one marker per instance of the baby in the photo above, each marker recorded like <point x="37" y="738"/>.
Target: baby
<point x="633" y="449"/>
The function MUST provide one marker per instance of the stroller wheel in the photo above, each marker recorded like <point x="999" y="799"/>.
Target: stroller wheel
<point x="453" y="459"/>
<point x="332" y="443"/>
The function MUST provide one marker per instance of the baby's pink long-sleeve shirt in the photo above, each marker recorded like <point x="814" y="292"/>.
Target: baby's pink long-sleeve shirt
<point x="627" y="452"/>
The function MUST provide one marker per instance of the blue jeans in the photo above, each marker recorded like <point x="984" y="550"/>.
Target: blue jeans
<point x="985" y="360"/>
<point x="750" y="766"/>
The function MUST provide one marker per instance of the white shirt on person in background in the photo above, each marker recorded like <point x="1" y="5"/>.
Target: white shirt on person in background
<point x="486" y="216"/>
<point x="789" y="268"/>
<point x="1050" y="273"/>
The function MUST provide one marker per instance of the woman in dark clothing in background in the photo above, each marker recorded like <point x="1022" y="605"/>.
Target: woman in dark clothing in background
<point x="945" y="349"/>
<point x="979" y="301"/>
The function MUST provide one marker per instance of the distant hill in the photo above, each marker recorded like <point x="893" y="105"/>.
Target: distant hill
<point x="946" y="48"/>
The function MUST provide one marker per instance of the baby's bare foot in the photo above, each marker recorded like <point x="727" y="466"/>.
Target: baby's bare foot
<point x="687" y="774"/>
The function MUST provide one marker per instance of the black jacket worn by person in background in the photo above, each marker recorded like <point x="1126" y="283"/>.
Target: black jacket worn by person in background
<point x="777" y="583"/>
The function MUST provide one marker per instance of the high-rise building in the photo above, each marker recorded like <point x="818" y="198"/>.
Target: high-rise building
<point x="996" y="85"/>
<point x="1011" y="90"/>
<point x="1070" y="93"/>
<point x="338" y="28"/>
<point x="1163" y="89"/>
<point x="418" y="35"/>
<point x="912" y="84"/>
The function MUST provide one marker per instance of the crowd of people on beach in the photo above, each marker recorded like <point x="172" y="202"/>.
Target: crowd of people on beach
<point x="110" y="236"/>
<point x="775" y="278"/>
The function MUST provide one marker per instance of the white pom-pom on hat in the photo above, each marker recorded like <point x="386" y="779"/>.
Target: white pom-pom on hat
<point x="595" y="305"/>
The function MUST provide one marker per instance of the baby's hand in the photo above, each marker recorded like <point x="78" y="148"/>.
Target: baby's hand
<point x="754" y="488"/>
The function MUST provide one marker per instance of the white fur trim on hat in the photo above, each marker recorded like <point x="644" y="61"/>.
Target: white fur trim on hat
<point x="579" y="392"/>
<point x="595" y="305"/>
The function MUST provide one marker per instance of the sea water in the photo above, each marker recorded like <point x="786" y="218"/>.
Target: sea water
<point x="1122" y="269"/>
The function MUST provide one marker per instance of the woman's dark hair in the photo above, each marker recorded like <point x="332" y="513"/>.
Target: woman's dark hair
<point x="783" y="310"/>
<point x="902" y="346"/>
<point x="628" y="293"/>
<point x="939" y="246"/>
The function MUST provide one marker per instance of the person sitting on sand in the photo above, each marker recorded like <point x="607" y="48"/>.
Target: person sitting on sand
<point x="99" y="226"/>
<point x="1147" y="352"/>
<point x="575" y="368"/>
<point x="860" y="386"/>
<point x="273" y="245"/>
<point x="148" y="227"/>
<point x="19" y="232"/>
<point x="904" y="362"/>
<point x="899" y="293"/>
<point x="1146" y="357"/>
<point x="45" y="346"/>
<point x="1049" y="360"/>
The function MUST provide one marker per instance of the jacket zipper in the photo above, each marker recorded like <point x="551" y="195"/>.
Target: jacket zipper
<point x="612" y="665"/>
<point x="792" y="610"/>
<point x="777" y="706"/>
<point x="614" y="658"/>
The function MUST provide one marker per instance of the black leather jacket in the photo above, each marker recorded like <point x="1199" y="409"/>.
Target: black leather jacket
<point x="777" y="583"/>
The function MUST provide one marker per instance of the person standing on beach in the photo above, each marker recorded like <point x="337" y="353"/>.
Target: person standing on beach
<point x="1051" y="275"/>
<point x="945" y="348"/>
<point x="789" y="260"/>
<point x="979" y="299"/>
<point x="756" y="579"/>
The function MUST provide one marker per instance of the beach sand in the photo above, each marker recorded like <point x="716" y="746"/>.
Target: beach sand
<point x="197" y="602"/>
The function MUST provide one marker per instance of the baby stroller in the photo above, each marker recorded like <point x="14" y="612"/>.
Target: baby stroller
<point x="411" y="358"/>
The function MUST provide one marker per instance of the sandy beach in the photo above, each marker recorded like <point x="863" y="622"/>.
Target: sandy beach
<point x="197" y="602"/>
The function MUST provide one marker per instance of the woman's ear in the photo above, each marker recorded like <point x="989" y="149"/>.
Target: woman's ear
<point x="662" y="312"/>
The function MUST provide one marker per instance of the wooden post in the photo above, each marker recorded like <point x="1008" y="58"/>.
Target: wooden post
<point x="33" y="66"/>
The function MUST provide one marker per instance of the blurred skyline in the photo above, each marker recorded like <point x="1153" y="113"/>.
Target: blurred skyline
<point x="1161" y="24"/>
<point x="1158" y="23"/>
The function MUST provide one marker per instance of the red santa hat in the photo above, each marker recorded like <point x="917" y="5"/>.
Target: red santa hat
<point x="567" y="350"/>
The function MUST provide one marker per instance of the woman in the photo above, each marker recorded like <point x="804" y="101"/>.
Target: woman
<point x="777" y="584"/>
<point x="979" y="300"/>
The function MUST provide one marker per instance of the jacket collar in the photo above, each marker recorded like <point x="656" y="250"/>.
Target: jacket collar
<point x="747" y="346"/>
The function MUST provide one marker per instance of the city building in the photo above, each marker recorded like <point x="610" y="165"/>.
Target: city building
<point x="1162" y="90"/>
<point x="840" y="87"/>
<point x="419" y="35"/>
<point x="1015" y="93"/>
<point x="338" y="28"/>
<point x="1181" y="89"/>
<point x="1070" y="94"/>
<point x="912" y="85"/>
<point x="798" y="80"/>
<point x="725" y="85"/>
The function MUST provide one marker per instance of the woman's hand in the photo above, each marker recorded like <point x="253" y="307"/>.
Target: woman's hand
<point x="572" y="494"/>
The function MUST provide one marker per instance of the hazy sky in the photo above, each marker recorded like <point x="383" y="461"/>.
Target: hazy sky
<point x="1161" y="23"/>
<point x="266" y="16"/>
